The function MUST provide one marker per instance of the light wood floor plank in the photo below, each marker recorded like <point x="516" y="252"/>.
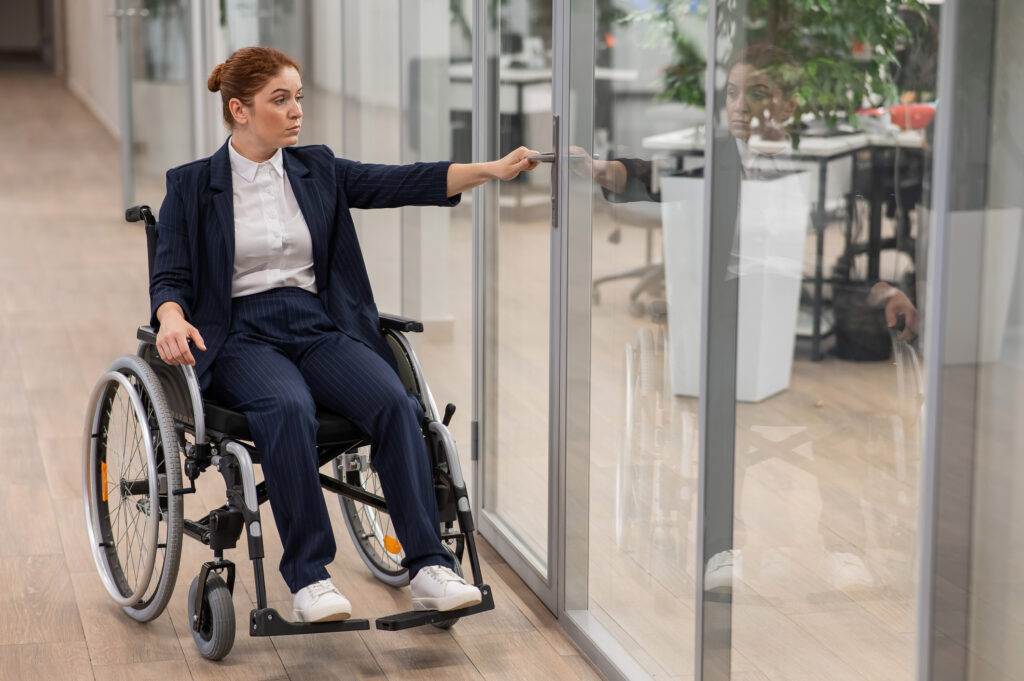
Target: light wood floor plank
<point x="113" y="637"/>
<point x="37" y="603"/>
<point x="67" y="661"/>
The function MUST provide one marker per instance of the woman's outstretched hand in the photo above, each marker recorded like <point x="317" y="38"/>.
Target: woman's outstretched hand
<point x="463" y="176"/>
<point x="174" y="334"/>
<point x="509" y="166"/>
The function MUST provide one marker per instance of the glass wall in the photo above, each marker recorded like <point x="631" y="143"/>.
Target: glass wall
<point x="156" y="105"/>
<point x="996" y="627"/>
<point x="754" y="375"/>
<point x="641" y="463"/>
<point x="972" y="596"/>
<point x="820" y="149"/>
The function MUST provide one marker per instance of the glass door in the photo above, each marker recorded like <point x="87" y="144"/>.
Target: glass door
<point x="518" y="277"/>
<point x="743" y="260"/>
<point x="157" y="123"/>
<point x="633" y="331"/>
<point x="811" y="446"/>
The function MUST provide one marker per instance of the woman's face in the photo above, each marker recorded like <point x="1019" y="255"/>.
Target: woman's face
<point x="275" y="116"/>
<point x="751" y="95"/>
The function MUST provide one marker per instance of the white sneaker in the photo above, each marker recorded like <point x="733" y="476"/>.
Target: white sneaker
<point x="849" y="571"/>
<point x="722" y="569"/>
<point x="440" y="588"/>
<point x="321" y="602"/>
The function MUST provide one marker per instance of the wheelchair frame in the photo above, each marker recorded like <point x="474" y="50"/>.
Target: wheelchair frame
<point x="234" y="459"/>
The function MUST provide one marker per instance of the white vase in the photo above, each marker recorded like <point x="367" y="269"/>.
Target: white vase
<point x="767" y="259"/>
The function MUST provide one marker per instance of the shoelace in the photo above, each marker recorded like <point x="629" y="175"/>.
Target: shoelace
<point x="442" y="575"/>
<point x="318" y="589"/>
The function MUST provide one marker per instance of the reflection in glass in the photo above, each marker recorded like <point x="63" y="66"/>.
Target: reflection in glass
<point x="159" y="88"/>
<point x="821" y="153"/>
<point x="817" y="561"/>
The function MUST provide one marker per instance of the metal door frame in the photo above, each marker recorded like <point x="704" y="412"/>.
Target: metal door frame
<point x="486" y="52"/>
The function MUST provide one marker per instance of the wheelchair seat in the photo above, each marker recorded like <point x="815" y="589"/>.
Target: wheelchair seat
<point x="331" y="429"/>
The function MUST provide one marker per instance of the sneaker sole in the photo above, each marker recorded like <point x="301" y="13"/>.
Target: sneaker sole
<point x="329" y="617"/>
<point x="446" y="604"/>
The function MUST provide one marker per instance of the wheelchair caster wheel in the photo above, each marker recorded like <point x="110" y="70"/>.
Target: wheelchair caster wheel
<point x="216" y="633"/>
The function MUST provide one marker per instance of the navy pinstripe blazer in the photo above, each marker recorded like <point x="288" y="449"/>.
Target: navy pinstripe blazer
<point x="195" y="245"/>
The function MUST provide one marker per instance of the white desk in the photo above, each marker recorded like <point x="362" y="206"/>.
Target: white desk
<point x="692" y="140"/>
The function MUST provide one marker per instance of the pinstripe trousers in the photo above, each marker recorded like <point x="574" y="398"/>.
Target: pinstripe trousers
<point x="282" y="357"/>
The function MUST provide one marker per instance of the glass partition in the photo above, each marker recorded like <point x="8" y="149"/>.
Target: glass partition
<point x="157" y="99"/>
<point x="632" y="442"/>
<point x="972" y="596"/>
<point x="820" y="140"/>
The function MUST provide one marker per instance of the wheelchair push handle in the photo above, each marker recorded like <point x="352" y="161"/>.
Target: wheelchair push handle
<point x="137" y="213"/>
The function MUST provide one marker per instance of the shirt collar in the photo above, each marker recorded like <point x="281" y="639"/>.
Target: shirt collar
<point x="247" y="169"/>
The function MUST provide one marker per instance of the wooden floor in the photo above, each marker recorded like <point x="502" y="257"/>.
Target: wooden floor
<point x="72" y="290"/>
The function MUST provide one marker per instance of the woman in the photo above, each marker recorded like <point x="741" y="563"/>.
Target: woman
<point x="257" y="264"/>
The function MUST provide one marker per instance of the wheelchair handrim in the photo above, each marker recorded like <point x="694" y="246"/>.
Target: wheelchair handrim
<point x="354" y="520"/>
<point x="92" y="503"/>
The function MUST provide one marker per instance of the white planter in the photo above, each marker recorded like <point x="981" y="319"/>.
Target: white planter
<point x="774" y="221"/>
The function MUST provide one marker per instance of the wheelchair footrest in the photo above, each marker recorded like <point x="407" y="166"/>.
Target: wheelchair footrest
<point x="418" y="618"/>
<point x="267" y="622"/>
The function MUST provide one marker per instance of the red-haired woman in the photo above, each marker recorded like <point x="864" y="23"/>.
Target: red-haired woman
<point x="257" y="264"/>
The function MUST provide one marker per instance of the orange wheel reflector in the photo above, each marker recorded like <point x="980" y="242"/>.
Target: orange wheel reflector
<point x="392" y="545"/>
<point x="103" y="478"/>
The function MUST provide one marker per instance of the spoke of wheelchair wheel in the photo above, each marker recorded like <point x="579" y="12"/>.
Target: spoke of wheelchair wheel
<point x="140" y="460"/>
<point x="124" y="536"/>
<point x="128" y="531"/>
<point x="124" y="436"/>
<point x="138" y="561"/>
<point x="124" y="428"/>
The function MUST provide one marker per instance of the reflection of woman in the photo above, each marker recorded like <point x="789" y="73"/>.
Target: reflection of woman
<point x="759" y="106"/>
<point x="257" y="253"/>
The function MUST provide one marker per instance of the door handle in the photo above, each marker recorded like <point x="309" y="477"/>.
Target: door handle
<point x="555" y="124"/>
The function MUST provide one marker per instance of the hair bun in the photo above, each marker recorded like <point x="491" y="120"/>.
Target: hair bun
<point x="213" y="82"/>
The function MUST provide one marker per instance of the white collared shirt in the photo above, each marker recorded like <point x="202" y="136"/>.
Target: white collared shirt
<point x="272" y="242"/>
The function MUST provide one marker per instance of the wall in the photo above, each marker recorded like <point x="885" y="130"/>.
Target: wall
<point x="91" y="58"/>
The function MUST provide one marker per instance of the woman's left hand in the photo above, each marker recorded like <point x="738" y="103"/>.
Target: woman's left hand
<point x="513" y="163"/>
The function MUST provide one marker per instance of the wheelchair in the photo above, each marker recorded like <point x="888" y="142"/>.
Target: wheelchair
<point x="147" y="424"/>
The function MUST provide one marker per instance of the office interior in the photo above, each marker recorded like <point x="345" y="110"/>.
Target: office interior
<point x="698" y="451"/>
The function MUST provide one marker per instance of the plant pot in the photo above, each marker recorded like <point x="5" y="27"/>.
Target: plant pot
<point x="774" y="218"/>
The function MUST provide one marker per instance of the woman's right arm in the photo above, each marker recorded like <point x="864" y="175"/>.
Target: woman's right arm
<point x="170" y="286"/>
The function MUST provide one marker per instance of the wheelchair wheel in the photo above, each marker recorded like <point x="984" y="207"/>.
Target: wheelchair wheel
<point x="130" y="467"/>
<point x="216" y="635"/>
<point x="371" y="529"/>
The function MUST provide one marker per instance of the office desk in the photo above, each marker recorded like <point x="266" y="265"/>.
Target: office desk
<point x="820" y="151"/>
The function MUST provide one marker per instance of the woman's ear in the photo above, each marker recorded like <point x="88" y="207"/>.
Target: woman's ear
<point x="238" y="111"/>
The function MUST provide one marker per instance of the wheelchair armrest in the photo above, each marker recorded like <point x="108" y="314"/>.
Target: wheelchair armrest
<point x="146" y="334"/>
<point x="396" y="323"/>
